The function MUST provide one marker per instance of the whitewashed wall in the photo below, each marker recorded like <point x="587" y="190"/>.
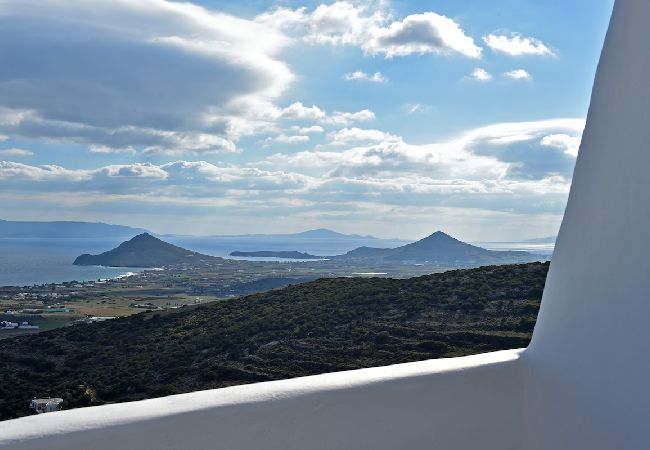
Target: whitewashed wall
<point x="458" y="403"/>
<point x="589" y="362"/>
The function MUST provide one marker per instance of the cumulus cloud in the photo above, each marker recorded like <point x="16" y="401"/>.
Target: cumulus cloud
<point x="99" y="73"/>
<point x="498" y="169"/>
<point x="359" y="75"/>
<point x="495" y="152"/>
<point x="50" y="172"/>
<point x="298" y="111"/>
<point x="180" y="179"/>
<point x="369" y="26"/>
<point x="15" y="152"/>
<point x="516" y="45"/>
<point x="306" y="130"/>
<point x="356" y="135"/>
<point x="518" y="74"/>
<point x="480" y="74"/>
<point x="569" y="144"/>
<point x="346" y="118"/>
<point x="420" y="34"/>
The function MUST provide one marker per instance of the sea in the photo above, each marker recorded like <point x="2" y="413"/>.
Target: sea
<point x="34" y="261"/>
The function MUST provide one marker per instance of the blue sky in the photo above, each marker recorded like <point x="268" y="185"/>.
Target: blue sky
<point x="394" y="118"/>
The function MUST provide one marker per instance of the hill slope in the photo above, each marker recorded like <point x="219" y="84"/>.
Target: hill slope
<point x="321" y="326"/>
<point x="62" y="229"/>
<point x="439" y="248"/>
<point x="143" y="250"/>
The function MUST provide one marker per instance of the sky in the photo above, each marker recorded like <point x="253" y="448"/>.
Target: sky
<point x="391" y="117"/>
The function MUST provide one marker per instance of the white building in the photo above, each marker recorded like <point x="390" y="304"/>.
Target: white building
<point x="45" y="405"/>
<point x="581" y="384"/>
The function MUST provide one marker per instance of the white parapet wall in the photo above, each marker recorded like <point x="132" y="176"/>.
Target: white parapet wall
<point x="457" y="404"/>
<point x="589" y="360"/>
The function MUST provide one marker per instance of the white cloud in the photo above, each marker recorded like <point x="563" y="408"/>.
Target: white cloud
<point x="516" y="45"/>
<point x="480" y="74"/>
<point x="306" y="130"/>
<point x="369" y="26"/>
<point x="496" y="169"/>
<point x="301" y="112"/>
<point x="569" y="144"/>
<point x="359" y="75"/>
<point x="15" y="152"/>
<point x="298" y="111"/>
<point x="518" y="74"/>
<point x="295" y="139"/>
<point x="124" y="87"/>
<point x="346" y="118"/>
<point x="197" y="143"/>
<point x="473" y="156"/>
<point x="355" y="135"/>
<point x="51" y="172"/>
<point x="420" y="34"/>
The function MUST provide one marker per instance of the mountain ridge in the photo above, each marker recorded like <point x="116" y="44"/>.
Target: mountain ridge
<point x="438" y="248"/>
<point x="143" y="250"/>
<point x="64" y="229"/>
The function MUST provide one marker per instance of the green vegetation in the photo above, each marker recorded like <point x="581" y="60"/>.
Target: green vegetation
<point x="321" y="326"/>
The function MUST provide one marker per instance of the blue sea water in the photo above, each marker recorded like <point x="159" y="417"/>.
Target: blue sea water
<point x="30" y="261"/>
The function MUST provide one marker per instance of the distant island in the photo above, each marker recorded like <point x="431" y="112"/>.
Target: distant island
<point x="319" y="233"/>
<point x="64" y="229"/>
<point x="438" y="249"/>
<point x="276" y="254"/>
<point x="542" y="240"/>
<point x="143" y="250"/>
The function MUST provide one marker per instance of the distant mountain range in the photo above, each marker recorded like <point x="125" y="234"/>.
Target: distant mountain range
<point x="64" y="229"/>
<point x="77" y="229"/>
<point x="143" y="250"/>
<point x="437" y="249"/>
<point x="320" y="233"/>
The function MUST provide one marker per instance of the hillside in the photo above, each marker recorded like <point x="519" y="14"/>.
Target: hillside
<point x="143" y="250"/>
<point x="62" y="229"/>
<point x="321" y="326"/>
<point x="438" y="248"/>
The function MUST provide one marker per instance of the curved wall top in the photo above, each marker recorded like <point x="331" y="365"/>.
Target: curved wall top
<point x="589" y="360"/>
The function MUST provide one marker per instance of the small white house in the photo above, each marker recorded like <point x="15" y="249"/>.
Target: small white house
<point x="45" y="405"/>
